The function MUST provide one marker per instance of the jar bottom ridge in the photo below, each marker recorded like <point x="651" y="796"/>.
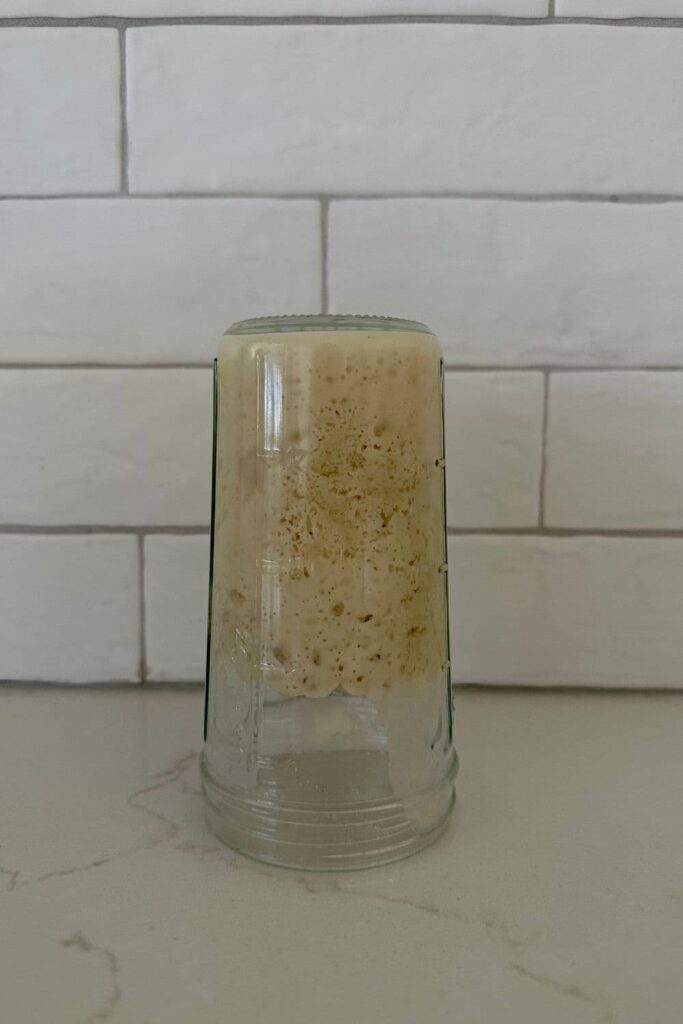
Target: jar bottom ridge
<point x="331" y="784"/>
<point x="327" y="833"/>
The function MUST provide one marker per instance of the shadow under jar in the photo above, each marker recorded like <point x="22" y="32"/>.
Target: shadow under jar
<point x="328" y="721"/>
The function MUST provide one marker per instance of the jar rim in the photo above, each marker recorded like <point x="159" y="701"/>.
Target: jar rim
<point x="293" y="323"/>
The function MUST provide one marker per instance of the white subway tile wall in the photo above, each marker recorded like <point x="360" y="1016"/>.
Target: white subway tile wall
<point x="514" y="283"/>
<point x="516" y="184"/>
<point x="60" y="113"/>
<point x="404" y="108"/>
<point x="270" y="8"/>
<point x="619" y="8"/>
<point x="615" y="451"/>
<point x="494" y="431"/>
<point x="564" y="611"/>
<point x="176" y="605"/>
<point x="105" y="447"/>
<point x="148" y="281"/>
<point x="69" y="608"/>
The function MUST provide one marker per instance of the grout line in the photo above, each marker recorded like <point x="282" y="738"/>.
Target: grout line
<point x="488" y="195"/>
<point x="105" y="366"/>
<point x="545" y="368"/>
<point x="544" y="450"/>
<point x="174" y="685"/>
<point x="105" y="21"/>
<point x="324" y="251"/>
<point x="548" y="368"/>
<point x="123" y="100"/>
<point x="22" y="197"/>
<point x="89" y="528"/>
<point x="65" y="684"/>
<point x="580" y="689"/>
<point x="566" y="532"/>
<point x="142" y="665"/>
<point x="497" y="687"/>
<point x="645" y="533"/>
<point x="618" y="198"/>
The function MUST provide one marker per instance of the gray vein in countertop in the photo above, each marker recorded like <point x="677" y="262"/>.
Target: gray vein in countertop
<point x="447" y="913"/>
<point x="557" y="986"/>
<point x="497" y="930"/>
<point x="561" y="987"/>
<point x="165" y="778"/>
<point x="13" y="876"/>
<point x="61" y="873"/>
<point x="316" y="884"/>
<point x="16" y="882"/>
<point x="79" y="941"/>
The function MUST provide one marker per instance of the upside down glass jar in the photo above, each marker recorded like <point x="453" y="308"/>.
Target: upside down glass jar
<point x="328" y="727"/>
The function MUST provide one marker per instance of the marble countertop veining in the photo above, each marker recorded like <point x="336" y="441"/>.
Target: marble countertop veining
<point x="555" y="897"/>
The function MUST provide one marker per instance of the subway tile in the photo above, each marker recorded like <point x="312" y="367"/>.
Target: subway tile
<point x="176" y="602"/>
<point x="59" y="116"/>
<point x="270" y="8"/>
<point x="134" y="280"/>
<point x="512" y="283"/>
<point x="614" y="450"/>
<point x="69" y="608"/>
<point x="566" y="611"/>
<point x="494" y="426"/>
<point x="107" y="447"/>
<point x="404" y="107"/>
<point x="619" y="8"/>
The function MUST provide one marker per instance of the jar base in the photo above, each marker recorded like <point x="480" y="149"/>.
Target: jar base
<point x="266" y="824"/>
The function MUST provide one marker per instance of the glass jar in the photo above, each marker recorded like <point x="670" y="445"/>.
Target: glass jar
<point x="328" y="710"/>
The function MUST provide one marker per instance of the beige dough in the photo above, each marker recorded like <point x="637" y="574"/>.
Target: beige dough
<point x="329" y="543"/>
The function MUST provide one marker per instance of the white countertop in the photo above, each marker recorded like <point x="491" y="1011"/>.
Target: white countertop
<point x="555" y="897"/>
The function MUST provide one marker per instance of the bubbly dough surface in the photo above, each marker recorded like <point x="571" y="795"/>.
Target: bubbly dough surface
<point x="329" y="543"/>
